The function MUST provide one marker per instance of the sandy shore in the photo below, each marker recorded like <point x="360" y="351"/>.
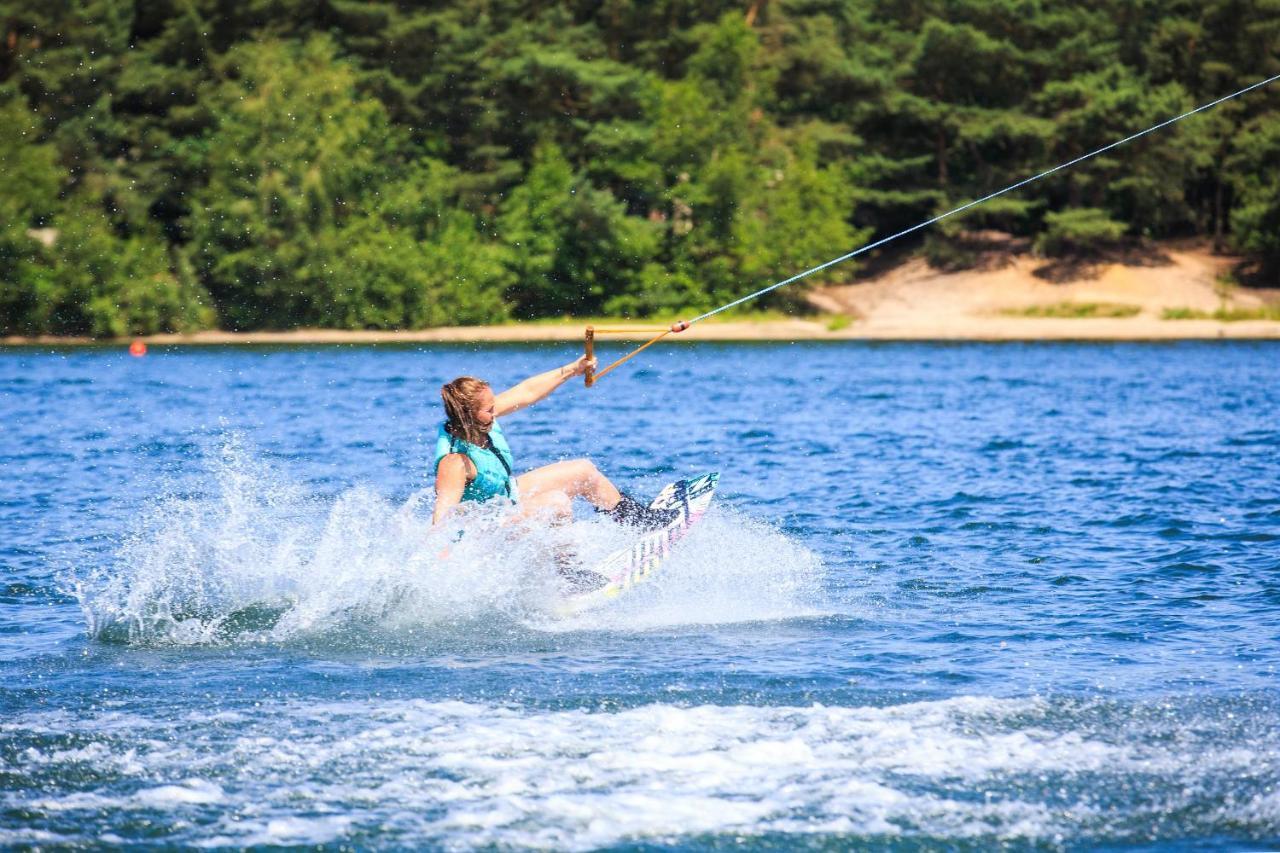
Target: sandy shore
<point x="914" y="302"/>
<point x="992" y="329"/>
<point x="910" y="302"/>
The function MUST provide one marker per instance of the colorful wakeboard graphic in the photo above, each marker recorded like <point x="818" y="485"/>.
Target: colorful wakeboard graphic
<point x="627" y="567"/>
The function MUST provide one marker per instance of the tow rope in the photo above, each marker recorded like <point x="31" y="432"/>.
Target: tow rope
<point x="681" y="325"/>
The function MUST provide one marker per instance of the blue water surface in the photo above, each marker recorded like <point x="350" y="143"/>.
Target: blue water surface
<point x="950" y="596"/>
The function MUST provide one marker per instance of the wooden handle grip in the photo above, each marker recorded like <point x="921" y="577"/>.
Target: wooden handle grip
<point x="590" y="375"/>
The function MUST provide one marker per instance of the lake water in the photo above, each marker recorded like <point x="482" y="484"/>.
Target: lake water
<point x="948" y="597"/>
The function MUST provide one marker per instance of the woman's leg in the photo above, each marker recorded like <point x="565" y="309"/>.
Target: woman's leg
<point x="580" y="479"/>
<point x="552" y="506"/>
<point x="577" y="478"/>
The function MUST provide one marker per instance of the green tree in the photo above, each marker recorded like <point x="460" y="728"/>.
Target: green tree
<point x="415" y="261"/>
<point x="1141" y="184"/>
<point x="112" y="286"/>
<point x="25" y="204"/>
<point x="795" y="219"/>
<point x="572" y="245"/>
<point x="1255" y="170"/>
<point x="290" y="229"/>
<point x="65" y="268"/>
<point x="292" y="154"/>
<point x="399" y="163"/>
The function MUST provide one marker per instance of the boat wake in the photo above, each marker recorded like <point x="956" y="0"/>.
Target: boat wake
<point x="1053" y="772"/>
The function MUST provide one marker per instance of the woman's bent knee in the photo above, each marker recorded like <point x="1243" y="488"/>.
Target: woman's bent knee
<point x="555" y="503"/>
<point x="585" y="470"/>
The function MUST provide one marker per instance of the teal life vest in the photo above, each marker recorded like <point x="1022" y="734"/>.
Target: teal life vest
<point x="494" y="476"/>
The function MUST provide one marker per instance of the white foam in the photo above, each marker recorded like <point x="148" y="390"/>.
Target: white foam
<point x="16" y="837"/>
<point x="303" y="831"/>
<point x="80" y="801"/>
<point x="190" y="792"/>
<point x="1262" y="809"/>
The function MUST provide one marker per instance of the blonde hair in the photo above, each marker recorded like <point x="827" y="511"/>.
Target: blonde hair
<point x="460" y="398"/>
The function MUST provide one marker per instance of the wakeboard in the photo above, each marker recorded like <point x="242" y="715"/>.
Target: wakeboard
<point x="627" y="567"/>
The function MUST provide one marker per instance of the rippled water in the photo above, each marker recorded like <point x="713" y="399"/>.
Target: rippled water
<point x="950" y="596"/>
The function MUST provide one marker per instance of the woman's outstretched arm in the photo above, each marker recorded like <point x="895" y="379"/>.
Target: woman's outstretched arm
<point x="537" y="387"/>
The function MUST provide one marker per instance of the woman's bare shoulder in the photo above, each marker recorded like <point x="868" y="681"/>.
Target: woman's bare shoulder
<point x="454" y="463"/>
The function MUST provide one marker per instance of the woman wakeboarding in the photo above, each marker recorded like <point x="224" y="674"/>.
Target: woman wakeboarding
<point x="474" y="463"/>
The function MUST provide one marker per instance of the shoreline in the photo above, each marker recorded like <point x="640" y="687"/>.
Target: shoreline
<point x="909" y="301"/>
<point x="956" y="329"/>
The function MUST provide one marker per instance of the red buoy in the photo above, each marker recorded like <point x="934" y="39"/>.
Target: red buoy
<point x="137" y="349"/>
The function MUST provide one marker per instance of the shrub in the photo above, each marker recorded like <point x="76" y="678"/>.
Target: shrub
<point x="1080" y="231"/>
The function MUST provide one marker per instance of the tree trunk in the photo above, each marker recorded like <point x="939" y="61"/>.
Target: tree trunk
<point x="615" y="29"/>
<point x="940" y="145"/>
<point x="9" y="58"/>
<point x="1217" y="214"/>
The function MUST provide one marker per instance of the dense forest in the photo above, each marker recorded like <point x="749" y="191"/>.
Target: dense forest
<point x="246" y="164"/>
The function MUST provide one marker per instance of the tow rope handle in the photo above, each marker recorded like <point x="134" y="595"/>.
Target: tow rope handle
<point x="591" y="376"/>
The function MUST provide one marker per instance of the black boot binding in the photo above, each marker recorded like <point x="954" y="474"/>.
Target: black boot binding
<point x="635" y="514"/>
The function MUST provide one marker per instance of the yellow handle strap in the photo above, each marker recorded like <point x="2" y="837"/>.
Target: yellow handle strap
<point x="635" y="352"/>
<point x="615" y="330"/>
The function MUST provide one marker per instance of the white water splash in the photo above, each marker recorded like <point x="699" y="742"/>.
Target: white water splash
<point x="729" y="569"/>
<point x="259" y="559"/>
